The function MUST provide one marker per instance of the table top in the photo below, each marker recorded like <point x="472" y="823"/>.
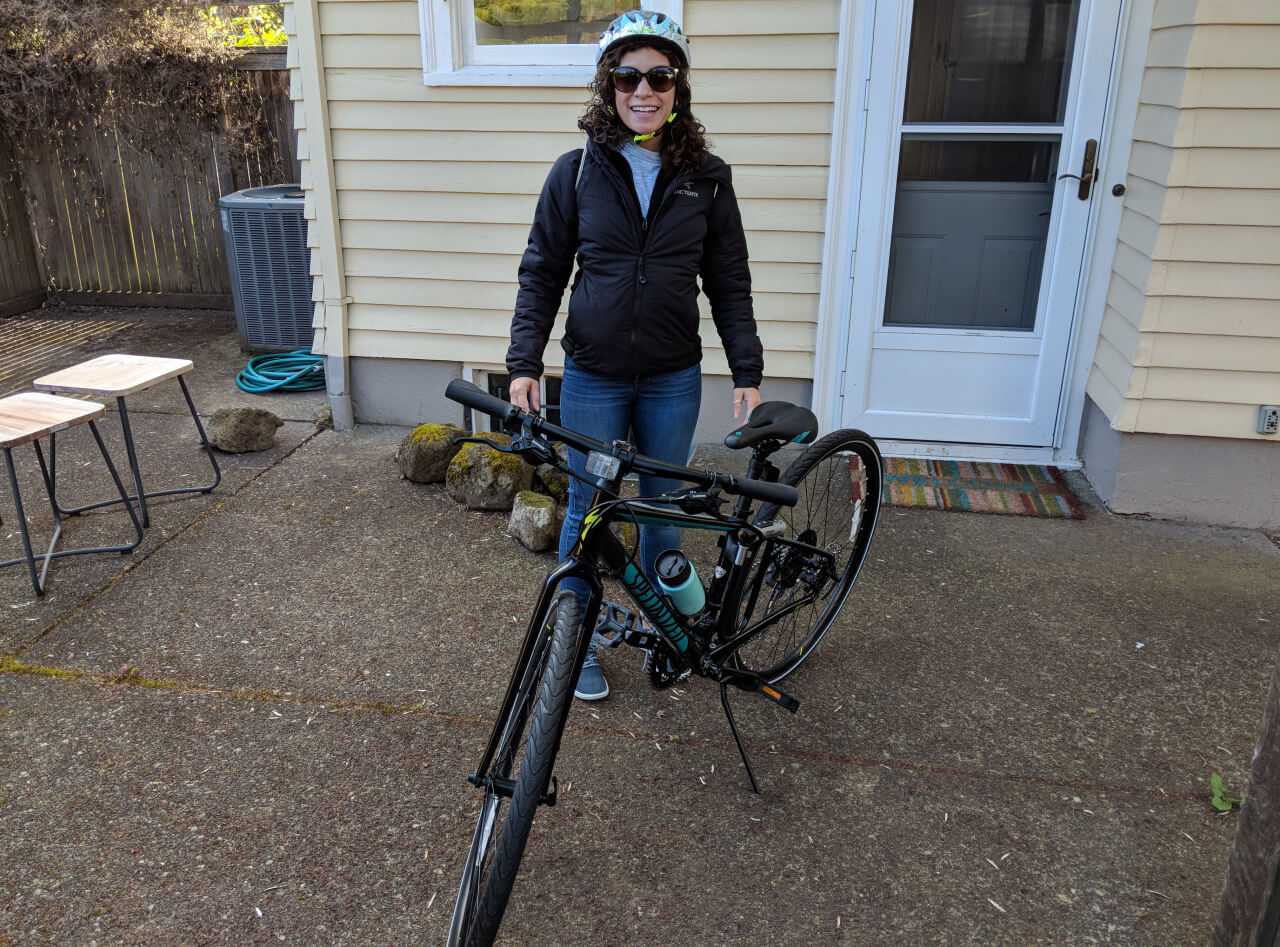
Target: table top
<point x="115" y="375"/>
<point x="32" y="414"/>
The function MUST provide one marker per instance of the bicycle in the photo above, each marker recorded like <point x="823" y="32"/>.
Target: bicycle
<point x="773" y="568"/>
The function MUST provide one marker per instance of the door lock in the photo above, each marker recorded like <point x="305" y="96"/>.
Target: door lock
<point x="1088" y="170"/>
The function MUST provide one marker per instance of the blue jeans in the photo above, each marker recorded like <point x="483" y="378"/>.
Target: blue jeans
<point x="661" y="411"/>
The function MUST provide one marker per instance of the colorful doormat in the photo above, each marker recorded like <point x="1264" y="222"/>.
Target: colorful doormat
<point x="1010" y="489"/>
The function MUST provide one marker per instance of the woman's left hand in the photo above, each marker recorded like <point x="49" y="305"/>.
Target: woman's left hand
<point x="745" y="397"/>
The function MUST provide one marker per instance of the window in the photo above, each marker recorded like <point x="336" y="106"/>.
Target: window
<point x="496" y="383"/>
<point x="532" y="42"/>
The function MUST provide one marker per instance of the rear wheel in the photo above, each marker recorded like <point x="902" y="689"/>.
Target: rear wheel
<point x="526" y="754"/>
<point x="794" y="594"/>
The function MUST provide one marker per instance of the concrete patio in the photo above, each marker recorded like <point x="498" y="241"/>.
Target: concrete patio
<point x="256" y="728"/>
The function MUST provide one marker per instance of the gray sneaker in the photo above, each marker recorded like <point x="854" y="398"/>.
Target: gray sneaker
<point x="591" y="682"/>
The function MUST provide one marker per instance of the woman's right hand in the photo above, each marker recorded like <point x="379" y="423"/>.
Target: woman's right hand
<point x="525" y="393"/>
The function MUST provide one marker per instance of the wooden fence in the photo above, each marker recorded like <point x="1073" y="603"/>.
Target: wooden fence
<point x="124" y="213"/>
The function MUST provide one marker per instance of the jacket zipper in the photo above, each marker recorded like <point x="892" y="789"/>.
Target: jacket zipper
<point x="676" y="182"/>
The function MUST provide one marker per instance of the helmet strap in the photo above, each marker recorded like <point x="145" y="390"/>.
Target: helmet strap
<point x="638" y="139"/>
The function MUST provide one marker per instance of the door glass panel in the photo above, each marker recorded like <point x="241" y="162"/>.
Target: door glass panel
<point x="989" y="60"/>
<point x="926" y="159"/>
<point x="968" y="252"/>
<point x="507" y="22"/>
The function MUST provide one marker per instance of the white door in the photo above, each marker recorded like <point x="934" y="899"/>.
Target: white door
<point x="982" y="117"/>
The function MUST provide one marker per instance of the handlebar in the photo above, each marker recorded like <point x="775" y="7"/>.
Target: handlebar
<point x="511" y="418"/>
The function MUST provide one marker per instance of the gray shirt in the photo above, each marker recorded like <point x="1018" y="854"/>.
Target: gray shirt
<point x="645" y="165"/>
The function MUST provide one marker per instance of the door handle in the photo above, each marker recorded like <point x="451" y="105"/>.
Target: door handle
<point x="1088" y="170"/>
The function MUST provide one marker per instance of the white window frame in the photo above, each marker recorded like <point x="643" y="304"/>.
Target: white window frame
<point x="450" y="55"/>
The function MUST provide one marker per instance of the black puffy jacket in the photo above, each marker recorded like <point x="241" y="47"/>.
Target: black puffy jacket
<point x="633" y="311"/>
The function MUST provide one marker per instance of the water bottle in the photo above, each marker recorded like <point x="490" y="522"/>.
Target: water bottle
<point x="678" y="578"/>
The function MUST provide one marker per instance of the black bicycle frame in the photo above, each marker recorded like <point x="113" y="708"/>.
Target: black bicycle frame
<point x="598" y="549"/>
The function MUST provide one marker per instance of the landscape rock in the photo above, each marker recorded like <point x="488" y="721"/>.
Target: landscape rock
<point x="425" y="453"/>
<point x="482" y="478"/>
<point x="552" y="481"/>
<point x="242" y="430"/>
<point x="533" y="520"/>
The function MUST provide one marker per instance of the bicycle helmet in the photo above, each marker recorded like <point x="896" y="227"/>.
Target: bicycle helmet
<point x="650" y="25"/>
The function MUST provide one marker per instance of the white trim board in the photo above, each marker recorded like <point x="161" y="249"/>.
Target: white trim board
<point x="844" y="184"/>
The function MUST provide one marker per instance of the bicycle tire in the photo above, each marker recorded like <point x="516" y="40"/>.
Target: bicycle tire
<point x="775" y="662"/>
<point x="475" y="922"/>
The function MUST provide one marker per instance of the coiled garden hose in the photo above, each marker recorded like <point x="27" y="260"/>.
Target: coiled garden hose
<point x="298" y="370"/>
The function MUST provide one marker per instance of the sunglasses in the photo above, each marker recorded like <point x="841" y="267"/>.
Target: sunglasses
<point x="626" y="79"/>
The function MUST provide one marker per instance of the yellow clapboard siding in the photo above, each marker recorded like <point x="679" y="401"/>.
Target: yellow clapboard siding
<point x="1184" y="12"/>
<point x="739" y="118"/>
<point x="496" y="323"/>
<point x="459" y="294"/>
<point x="519" y="208"/>
<point x="1218" y="244"/>
<point x="1197" y="419"/>
<point x="1211" y="205"/>
<point x="763" y="245"/>
<point x="1122" y="335"/>
<point x="1214" y="352"/>
<point x="736" y="18"/>
<point x="1223" y="46"/>
<point x="1115" y="366"/>
<point x="511" y="177"/>
<point x="1247" y="168"/>
<point x="1230" y="280"/>
<point x="703" y="18"/>
<point x="353" y="145"/>
<point x="1181" y="127"/>
<point x="713" y="52"/>
<point x="387" y="17"/>
<point x="1108" y="399"/>
<point x="502" y="268"/>
<point x="759" y="53"/>
<point x="1223" y="387"/>
<point x="382" y="52"/>
<point x="491" y="351"/>
<point x="1226" y="317"/>
<point x="1212" y="88"/>
<point x="710" y="86"/>
<point x="1126" y="301"/>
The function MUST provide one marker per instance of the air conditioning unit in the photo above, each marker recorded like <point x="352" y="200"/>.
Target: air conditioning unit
<point x="266" y="240"/>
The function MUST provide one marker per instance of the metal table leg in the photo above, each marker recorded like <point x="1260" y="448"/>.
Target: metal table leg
<point x="46" y="474"/>
<point x="141" y="496"/>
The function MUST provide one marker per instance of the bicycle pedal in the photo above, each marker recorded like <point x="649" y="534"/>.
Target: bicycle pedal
<point x="781" y="698"/>
<point x="612" y="625"/>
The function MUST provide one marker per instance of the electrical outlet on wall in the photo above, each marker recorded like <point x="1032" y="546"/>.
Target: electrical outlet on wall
<point x="1268" y="419"/>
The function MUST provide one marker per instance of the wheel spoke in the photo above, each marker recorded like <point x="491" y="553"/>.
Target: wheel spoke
<point x="835" y="514"/>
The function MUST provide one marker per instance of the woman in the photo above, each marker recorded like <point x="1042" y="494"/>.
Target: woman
<point x="646" y="210"/>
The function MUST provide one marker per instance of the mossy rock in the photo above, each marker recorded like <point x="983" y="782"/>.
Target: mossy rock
<point x="425" y="453"/>
<point x="533" y="521"/>
<point x="552" y="481"/>
<point x="482" y="478"/>
<point x="626" y="533"/>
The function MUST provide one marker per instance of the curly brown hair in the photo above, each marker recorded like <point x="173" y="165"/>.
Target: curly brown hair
<point x="684" y="142"/>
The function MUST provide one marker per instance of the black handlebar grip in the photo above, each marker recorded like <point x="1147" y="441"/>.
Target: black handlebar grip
<point x="779" y="493"/>
<point x="464" y="392"/>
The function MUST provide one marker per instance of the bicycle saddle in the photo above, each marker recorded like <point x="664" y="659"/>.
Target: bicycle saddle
<point x="775" y="421"/>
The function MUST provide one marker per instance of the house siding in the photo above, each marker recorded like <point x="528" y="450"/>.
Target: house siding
<point x="1190" y="340"/>
<point x="436" y="186"/>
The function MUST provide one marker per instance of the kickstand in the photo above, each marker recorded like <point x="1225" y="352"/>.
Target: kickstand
<point x="733" y="728"/>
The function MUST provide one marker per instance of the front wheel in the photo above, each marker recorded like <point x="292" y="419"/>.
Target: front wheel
<point x="525" y="755"/>
<point x="792" y="596"/>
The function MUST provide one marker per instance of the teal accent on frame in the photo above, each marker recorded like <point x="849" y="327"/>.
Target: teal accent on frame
<point x="654" y="608"/>
<point x="643" y="519"/>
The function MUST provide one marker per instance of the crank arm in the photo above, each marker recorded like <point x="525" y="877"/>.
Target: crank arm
<point x="745" y="680"/>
